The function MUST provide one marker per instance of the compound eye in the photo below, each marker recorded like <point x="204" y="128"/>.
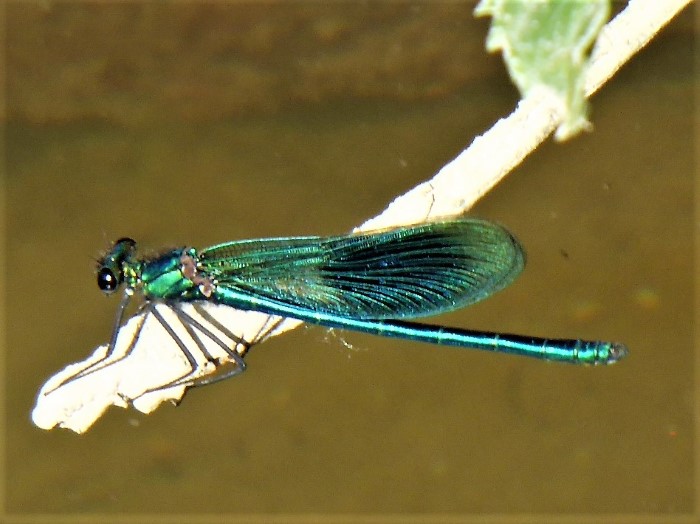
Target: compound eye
<point x="107" y="280"/>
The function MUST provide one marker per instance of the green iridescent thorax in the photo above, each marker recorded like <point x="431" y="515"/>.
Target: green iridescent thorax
<point x="131" y="272"/>
<point x="164" y="276"/>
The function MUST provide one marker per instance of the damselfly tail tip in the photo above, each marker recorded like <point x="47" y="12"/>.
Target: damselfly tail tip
<point x="617" y="351"/>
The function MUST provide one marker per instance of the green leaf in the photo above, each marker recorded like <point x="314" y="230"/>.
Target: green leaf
<point x="546" y="43"/>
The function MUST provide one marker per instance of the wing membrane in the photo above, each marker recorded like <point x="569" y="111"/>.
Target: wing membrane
<point x="396" y="273"/>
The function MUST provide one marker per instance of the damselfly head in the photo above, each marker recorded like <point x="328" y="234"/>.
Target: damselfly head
<point x="110" y="272"/>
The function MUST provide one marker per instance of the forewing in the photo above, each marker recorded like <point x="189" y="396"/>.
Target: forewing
<point x="397" y="273"/>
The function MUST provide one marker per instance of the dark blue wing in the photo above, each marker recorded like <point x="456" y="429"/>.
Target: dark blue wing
<point x="395" y="273"/>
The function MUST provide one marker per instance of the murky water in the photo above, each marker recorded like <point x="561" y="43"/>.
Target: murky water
<point x="389" y="426"/>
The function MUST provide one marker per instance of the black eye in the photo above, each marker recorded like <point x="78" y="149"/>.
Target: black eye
<point x="107" y="281"/>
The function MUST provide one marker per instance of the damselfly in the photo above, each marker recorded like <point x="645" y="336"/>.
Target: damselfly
<point x="370" y="282"/>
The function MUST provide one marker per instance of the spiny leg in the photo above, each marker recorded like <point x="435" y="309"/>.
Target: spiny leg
<point x="259" y="337"/>
<point x="187" y="319"/>
<point x="195" y="329"/>
<point x="270" y="324"/>
<point x="267" y="329"/>
<point x="239" y="341"/>
<point x="191" y="361"/>
<point x="239" y="364"/>
<point x="96" y="366"/>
